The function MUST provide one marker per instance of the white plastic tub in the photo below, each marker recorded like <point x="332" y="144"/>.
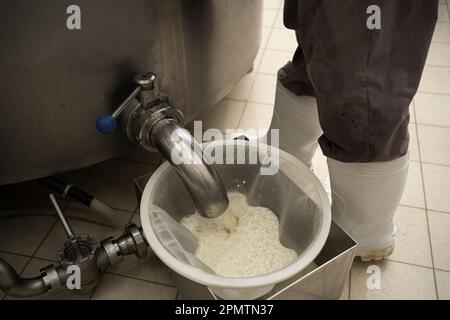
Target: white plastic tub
<point x="293" y="193"/>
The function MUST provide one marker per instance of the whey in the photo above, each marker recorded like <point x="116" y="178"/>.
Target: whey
<point x="243" y="242"/>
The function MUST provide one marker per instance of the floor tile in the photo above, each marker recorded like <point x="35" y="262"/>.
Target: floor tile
<point x="265" y="34"/>
<point x="413" y="194"/>
<point x="346" y="292"/>
<point x="434" y="144"/>
<point x="437" y="186"/>
<point x="412" y="244"/>
<point x="440" y="239"/>
<point x="257" y="117"/>
<point x="23" y="235"/>
<point x="17" y="262"/>
<point x="442" y="32"/>
<point x="443" y="13"/>
<point x="258" y="59"/>
<point x="432" y="109"/>
<point x="269" y="16"/>
<point x="279" y="23"/>
<point x="57" y="236"/>
<point x="272" y="4"/>
<point x="435" y="80"/>
<point x="439" y="54"/>
<point x="283" y="39"/>
<point x="136" y="219"/>
<point x="263" y="90"/>
<point x="273" y="60"/>
<point x="412" y="113"/>
<point x="225" y="115"/>
<point x="241" y="90"/>
<point x="397" y="281"/>
<point x="33" y="270"/>
<point x="443" y="284"/>
<point x="149" y="268"/>
<point x="413" y="145"/>
<point x="112" y="182"/>
<point x="78" y="211"/>
<point x="114" y="287"/>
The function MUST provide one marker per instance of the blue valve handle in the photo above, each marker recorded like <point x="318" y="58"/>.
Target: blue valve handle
<point x="106" y="124"/>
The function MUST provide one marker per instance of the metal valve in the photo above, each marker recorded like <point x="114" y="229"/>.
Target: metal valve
<point x="79" y="250"/>
<point x="140" y="111"/>
<point x="152" y="122"/>
<point x="147" y="88"/>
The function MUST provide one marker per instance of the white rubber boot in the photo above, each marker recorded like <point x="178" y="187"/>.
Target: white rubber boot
<point x="298" y="121"/>
<point x="365" y="198"/>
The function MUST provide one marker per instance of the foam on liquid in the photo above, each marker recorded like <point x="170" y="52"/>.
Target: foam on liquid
<point x="243" y="242"/>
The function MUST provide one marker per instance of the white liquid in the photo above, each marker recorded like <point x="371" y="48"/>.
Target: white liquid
<point x="243" y="242"/>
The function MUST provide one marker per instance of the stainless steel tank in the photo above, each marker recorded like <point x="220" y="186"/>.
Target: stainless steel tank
<point x="54" y="82"/>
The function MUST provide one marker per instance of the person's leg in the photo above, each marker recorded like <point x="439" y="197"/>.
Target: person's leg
<point x="295" y="111"/>
<point x="364" y="81"/>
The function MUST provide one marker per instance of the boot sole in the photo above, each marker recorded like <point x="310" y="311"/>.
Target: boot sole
<point x="375" y="255"/>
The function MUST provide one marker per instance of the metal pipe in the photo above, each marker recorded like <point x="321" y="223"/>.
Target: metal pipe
<point x="67" y="228"/>
<point x="54" y="278"/>
<point x="62" y="218"/>
<point x="151" y="121"/>
<point x="201" y="180"/>
<point x="11" y="283"/>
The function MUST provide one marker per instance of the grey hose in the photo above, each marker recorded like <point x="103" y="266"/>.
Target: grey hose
<point x="11" y="283"/>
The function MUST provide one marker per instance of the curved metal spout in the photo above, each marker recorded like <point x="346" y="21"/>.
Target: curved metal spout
<point x="149" y="119"/>
<point x="201" y="180"/>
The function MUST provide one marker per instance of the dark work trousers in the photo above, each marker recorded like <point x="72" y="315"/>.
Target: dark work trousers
<point x="364" y="79"/>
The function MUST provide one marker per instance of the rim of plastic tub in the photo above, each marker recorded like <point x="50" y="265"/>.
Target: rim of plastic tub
<point x="208" y="279"/>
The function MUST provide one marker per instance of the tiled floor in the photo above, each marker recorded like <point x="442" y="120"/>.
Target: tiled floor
<point x="420" y="266"/>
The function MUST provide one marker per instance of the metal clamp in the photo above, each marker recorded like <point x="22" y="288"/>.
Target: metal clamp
<point x="146" y="93"/>
<point x="51" y="278"/>
<point x="112" y="251"/>
<point x="139" y="241"/>
<point x="138" y="122"/>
